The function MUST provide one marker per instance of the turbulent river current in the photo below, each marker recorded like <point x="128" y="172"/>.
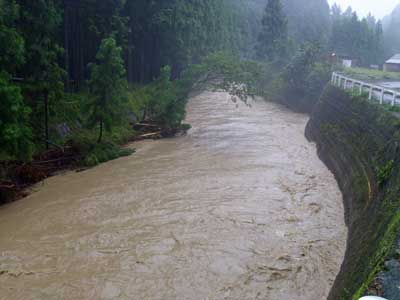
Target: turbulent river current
<point x="239" y="209"/>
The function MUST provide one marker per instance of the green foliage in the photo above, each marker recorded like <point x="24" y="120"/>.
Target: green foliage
<point x="138" y="101"/>
<point x="108" y="87"/>
<point x="104" y="152"/>
<point x="42" y="75"/>
<point x="308" y="21"/>
<point x="176" y="33"/>
<point x="360" y="144"/>
<point x="15" y="135"/>
<point x="11" y="42"/>
<point x="304" y="78"/>
<point x="241" y="78"/>
<point x="316" y="79"/>
<point x="84" y="142"/>
<point x="166" y="107"/>
<point x="359" y="39"/>
<point x="273" y="37"/>
<point x="39" y="26"/>
<point x="162" y="101"/>
<point x="384" y="173"/>
<point x="371" y="75"/>
<point x="301" y="66"/>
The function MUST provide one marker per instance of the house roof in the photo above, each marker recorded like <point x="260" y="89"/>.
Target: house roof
<point x="394" y="60"/>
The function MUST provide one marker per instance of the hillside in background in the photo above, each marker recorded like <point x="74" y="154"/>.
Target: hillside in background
<point x="391" y="26"/>
<point x="308" y="20"/>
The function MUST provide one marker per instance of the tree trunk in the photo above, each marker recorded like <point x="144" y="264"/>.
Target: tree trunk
<point x="46" y="118"/>
<point x="66" y="46"/>
<point x="101" y="131"/>
<point x="130" y="57"/>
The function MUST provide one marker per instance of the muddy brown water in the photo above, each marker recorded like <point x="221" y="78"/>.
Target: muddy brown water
<point x="241" y="208"/>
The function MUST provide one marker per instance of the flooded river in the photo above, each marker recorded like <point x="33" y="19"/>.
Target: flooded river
<point x="239" y="209"/>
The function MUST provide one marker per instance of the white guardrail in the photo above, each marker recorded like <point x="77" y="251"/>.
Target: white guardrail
<point x="376" y="92"/>
<point x="372" y="298"/>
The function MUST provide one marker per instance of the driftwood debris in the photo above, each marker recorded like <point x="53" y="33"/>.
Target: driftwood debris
<point x="144" y="125"/>
<point x="147" y="136"/>
<point x="24" y="174"/>
<point x="147" y="130"/>
<point x="150" y="135"/>
<point x="7" y="185"/>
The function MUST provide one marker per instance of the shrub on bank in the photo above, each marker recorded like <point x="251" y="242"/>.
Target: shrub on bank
<point x="104" y="152"/>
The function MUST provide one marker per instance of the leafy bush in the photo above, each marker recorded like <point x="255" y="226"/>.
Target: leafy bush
<point x="15" y="134"/>
<point x="162" y="101"/>
<point x="304" y="79"/>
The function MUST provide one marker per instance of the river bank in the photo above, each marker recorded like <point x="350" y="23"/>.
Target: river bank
<point x="359" y="141"/>
<point x="239" y="208"/>
<point x="18" y="176"/>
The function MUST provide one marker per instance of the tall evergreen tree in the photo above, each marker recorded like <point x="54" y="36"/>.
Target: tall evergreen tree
<point x="379" y="51"/>
<point x="15" y="133"/>
<point x="108" y="86"/>
<point x="11" y="42"/>
<point x="43" y="76"/>
<point x="273" y="38"/>
<point x="360" y="39"/>
<point x="308" y="20"/>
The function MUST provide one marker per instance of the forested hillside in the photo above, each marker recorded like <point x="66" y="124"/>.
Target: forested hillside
<point x="361" y="39"/>
<point x="79" y="79"/>
<point x="46" y="48"/>
<point x="152" y="33"/>
<point x="76" y="76"/>
<point x="336" y="29"/>
<point x="308" y="21"/>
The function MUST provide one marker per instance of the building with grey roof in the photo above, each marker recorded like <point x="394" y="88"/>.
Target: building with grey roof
<point x="393" y="64"/>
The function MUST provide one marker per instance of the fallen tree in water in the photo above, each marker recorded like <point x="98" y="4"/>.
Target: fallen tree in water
<point x="152" y="130"/>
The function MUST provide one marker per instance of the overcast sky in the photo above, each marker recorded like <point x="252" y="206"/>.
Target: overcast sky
<point x="378" y="8"/>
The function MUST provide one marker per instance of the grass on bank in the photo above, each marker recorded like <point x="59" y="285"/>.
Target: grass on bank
<point x="370" y="75"/>
<point x="93" y="153"/>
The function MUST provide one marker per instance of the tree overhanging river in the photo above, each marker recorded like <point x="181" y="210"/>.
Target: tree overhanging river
<point x="240" y="208"/>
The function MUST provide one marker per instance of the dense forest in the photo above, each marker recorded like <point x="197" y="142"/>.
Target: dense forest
<point x="77" y="75"/>
<point x="47" y="47"/>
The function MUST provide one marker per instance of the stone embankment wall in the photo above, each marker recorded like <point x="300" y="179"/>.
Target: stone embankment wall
<point x="360" y="143"/>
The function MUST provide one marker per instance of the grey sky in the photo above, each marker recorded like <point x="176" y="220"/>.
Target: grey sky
<point x="378" y="8"/>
